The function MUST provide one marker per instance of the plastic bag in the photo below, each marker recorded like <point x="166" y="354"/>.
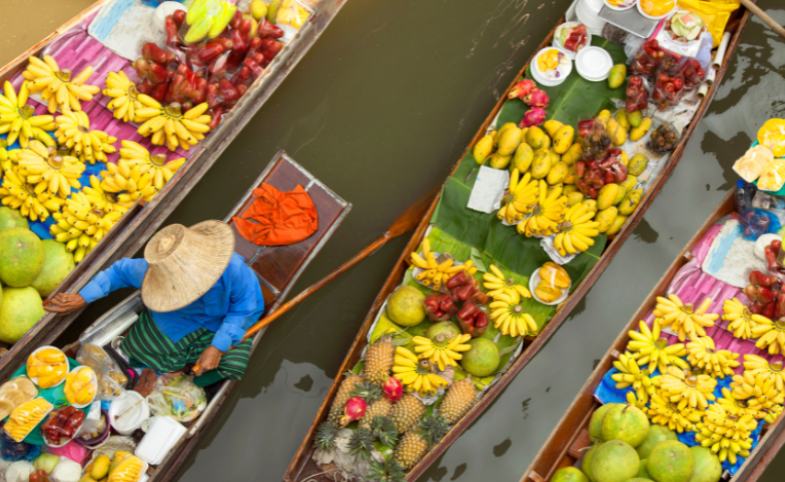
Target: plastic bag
<point x="292" y="13"/>
<point x="668" y="90"/>
<point x="111" y="381"/>
<point x="756" y="222"/>
<point x="772" y="135"/>
<point x="714" y="12"/>
<point x="663" y="139"/>
<point x="181" y="399"/>
<point x="772" y="178"/>
<point x="12" y="451"/>
<point x="693" y="73"/>
<point x="750" y="166"/>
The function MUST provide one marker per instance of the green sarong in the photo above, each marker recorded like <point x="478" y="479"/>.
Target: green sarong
<point x="147" y="345"/>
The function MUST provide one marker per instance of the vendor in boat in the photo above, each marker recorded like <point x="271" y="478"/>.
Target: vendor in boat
<point x="199" y="297"/>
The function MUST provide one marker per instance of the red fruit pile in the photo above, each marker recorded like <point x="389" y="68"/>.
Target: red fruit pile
<point x="637" y="95"/>
<point x="591" y="175"/>
<point x="648" y="58"/>
<point x="667" y="90"/>
<point x="693" y="74"/>
<point x="440" y="307"/>
<point x="463" y="289"/>
<point x="218" y="71"/>
<point x="62" y="425"/>
<point x="39" y="476"/>
<point x="473" y="320"/>
<point x="766" y="295"/>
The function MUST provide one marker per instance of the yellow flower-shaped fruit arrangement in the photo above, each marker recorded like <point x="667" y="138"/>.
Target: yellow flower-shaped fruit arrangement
<point x="649" y="346"/>
<point x="80" y="226"/>
<point x="169" y="126"/>
<point x="124" y="103"/>
<point x="48" y="170"/>
<point x="631" y="375"/>
<point x="577" y="231"/>
<point x="684" y="319"/>
<point x="58" y="87"/>
<point x="48" y="365"/>
<point x="18" y="194"/>
<point x="703" y="355"/>
<point x="547" y="215"/>
<point x="156" y="166"/>
<point x="724" y="434"/>
<point x="509" y="317"/>
<point x="496" y="283"/>
<point x="73" y="132"/>
<point x="416" y="375"/>
<point x="687" y="389"/>
<point x="441" y="350"/>
<point x="742" y="321"/>
<point x="663" y="412"/>
<point x="18" y="119"/>
<point x="521" y="198"/>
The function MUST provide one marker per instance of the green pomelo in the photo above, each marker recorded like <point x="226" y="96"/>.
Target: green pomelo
<point x="10" y="218"/>
<point x="448" y="329"/>
<point x="640" y="479"/>
<point x="671" y="461"/>
<point x="482" y="359"/>
<point x="595" y="425"/>
<point x="58" y="262"/>
<point x="657" y="434"/>
<point x="21" y="309"/>
<point x="627" y="423"/>
<point x="21" y="257"/>
<point x="615" y="461"/>
<point x="404" y="306"/>
<point x="569" y="474"/>
<point x="588" y="458"/>
<point x="707" y="465"/>
<point x="643" y="472"/>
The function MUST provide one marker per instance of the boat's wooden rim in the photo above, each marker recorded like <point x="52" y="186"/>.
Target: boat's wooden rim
<point x="303" y="456"/>
<point x="566" y="437"/>
<point x="143" y="219"/>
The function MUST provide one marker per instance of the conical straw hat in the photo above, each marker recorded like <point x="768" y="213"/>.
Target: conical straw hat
<point x="185" y="263"/>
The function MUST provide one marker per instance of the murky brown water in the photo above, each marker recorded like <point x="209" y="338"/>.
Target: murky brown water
<point x="380" y="109"/>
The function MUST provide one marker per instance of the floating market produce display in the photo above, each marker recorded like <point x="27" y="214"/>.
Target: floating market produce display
<point x="98" y="119"/>
<point x="696" y="386"/>
<point x="560" y="170"/>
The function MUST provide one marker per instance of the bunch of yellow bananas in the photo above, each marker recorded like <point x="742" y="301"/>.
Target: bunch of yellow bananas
<point x="687" y="389"/>
<point x="48" y="171"/>
<point x="128" y="183"/>
<point x="642" y="404"/>
<point x="577" y="230"/>
<point x="508" y="315"/>
<point x="726" y="435"/>
<point x="771" y="416"/>
<point x="648" y="346"/>
<point x="631" y="375"/>
<point x="770" y="335"/>
<point x="759" y="391"/>
<point x="17" y="194"/>
<point x="442" y="351"/>
<point x="105" y="201"/>
<point x="759" y="365"/>
<point x="58" y="87"/>
<point x="80" y="226"/>
<point x="735" y="406"/>
<point x="124" y="103"/>
<point x="521" y="198"/>
<point x="741" y="320"/>
<point x="73" y="132"/>
<point x="662" y="412"/>
<point x="435" y="273"/>
<point x="496" y="284"/>
<point x="168" y="125"/>
<point x="703" y="355"/>
<point x="156" y="166"/>
<point x="18" y="119"/>
<point x="684" y="319"/>
<point x="547" y="215"/>
<point x="416" y="374"/>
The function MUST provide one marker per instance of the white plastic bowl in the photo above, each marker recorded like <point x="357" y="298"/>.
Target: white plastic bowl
<point x="652" y="17"/>
<point x="564" y="69"/>
<point x="67" y="366"/>
<point x="535" y="279"/>
<point x="593" y="63"/>
<point x="130" y="421"/>
<point x="591" y="5"/>
<point x="556" y="43"/>
<point x="629" y="5"/>
<point x="94" y="382"/>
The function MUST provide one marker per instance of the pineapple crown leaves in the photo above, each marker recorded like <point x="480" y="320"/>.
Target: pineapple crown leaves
<point x="367" y="391"/>
<point x="361" y="443"/>
<point x="432" y="429"/>
<point x="325" y="435"/>
<point x="384" y="430"/>
<point x="387" y="471"/>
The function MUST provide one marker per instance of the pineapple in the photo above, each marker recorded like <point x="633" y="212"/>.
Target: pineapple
<point x="361" y="443"/>
<point x="380" y="407"/>
<point x="458" y="400"/>
<point x="387" y="471"/>
<point x="348" y="385"/>
<point x="384" y="431"/>
<point x="406" y="411"/>
<point x="379" y="360"/>
<point x="416" y="442"/>
<point x="325" y="436"/>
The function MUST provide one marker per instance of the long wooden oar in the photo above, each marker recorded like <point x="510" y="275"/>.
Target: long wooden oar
<point x="758" y="12"/>
<point x="406" y="222"/>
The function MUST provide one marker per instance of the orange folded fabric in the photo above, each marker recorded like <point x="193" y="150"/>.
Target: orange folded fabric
<point x="278" y="218"/>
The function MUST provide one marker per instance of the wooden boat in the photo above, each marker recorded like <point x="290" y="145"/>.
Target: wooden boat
<point x="141" y="221"/>
<point x="570" y="437"/>
<point x="277" y="268"/>
<point x="304" y="468"/>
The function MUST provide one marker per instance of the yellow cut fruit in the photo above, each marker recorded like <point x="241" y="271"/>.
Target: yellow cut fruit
<point x="50" y="355"/>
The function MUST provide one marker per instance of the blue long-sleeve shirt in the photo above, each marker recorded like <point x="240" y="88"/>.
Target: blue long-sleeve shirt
<point x="228" y="309"/>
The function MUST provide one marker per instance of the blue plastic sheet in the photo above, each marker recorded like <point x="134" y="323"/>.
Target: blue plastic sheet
<point x="607" y="392"/>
